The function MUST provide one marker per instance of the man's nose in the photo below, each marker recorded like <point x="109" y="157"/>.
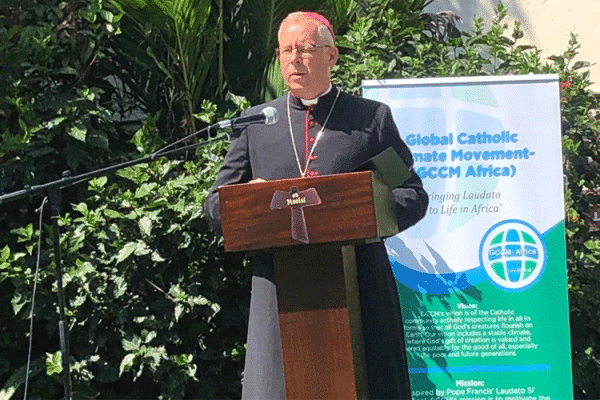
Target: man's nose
<point x="295" y="56"/>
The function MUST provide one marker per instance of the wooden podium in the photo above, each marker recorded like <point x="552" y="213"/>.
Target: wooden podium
<point x="310" y="225"/>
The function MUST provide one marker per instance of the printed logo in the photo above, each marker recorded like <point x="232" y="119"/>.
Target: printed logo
<point x="513" y="254"/>
<point x="296" y="201"/>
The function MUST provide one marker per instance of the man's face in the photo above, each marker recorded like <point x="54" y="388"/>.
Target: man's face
<point x="306" y="73"/>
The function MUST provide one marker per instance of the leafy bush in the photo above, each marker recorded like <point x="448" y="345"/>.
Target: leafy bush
<point x="581" y="150"/>
<point x="153" y="305"/>
<point x="155" y="309"/>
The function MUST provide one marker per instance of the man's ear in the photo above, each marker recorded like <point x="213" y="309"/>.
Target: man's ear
<point x="333" y="54"/>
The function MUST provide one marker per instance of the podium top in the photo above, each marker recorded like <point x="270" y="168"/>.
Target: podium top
<point x="349" y="207"/>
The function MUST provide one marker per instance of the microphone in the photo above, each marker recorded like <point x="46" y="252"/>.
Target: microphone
<point x="267" y="116"/>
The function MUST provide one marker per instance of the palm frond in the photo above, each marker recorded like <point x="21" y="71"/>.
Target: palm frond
<point x="182" y="41"/>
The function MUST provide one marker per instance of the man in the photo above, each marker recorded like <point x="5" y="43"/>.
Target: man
<point x="321" y="131"/>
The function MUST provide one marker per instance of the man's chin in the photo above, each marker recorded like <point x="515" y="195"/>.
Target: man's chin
<point x="298" y="91"/>
<point x="296" y="83"/>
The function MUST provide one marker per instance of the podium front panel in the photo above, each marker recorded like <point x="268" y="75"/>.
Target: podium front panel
<point x="345" y="212"/>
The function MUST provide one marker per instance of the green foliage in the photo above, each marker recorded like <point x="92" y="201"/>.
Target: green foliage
<point x="56" y="112"/>
<point x="205" y="49"/>
<point x="155" y="309"/>
<point x="581" y="149"/>
<point x="180" y="41"/>
<point x="403" y="46"/>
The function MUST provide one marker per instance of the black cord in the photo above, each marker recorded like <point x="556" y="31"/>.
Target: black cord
<point x="35" y="279"/>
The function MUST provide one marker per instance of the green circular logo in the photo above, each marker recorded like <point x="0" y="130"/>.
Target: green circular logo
<point x="513" y="254"/>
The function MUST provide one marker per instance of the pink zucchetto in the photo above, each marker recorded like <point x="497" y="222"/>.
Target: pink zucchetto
<point x="319" y="18"/>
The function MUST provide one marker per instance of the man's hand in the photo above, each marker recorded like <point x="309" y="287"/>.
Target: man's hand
<point x="257" y="180"/>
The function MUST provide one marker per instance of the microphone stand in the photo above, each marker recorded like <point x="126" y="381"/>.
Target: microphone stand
<point x="53" y="190"/>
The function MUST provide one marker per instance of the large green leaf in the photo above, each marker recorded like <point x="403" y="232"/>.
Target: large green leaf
<point x="17" y="379"/>
<point x="181" y="41"/>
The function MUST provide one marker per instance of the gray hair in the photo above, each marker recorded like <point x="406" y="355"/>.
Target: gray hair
<point x="323" y="31"/>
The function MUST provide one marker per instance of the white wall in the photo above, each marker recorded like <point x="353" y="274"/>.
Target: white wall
<point x="547" y="24"/>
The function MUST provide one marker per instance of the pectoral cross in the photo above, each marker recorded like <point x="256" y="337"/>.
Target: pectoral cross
<point x="296" y="201"/>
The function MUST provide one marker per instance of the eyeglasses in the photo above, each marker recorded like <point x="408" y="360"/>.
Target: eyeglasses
<point x="305" y="52"/>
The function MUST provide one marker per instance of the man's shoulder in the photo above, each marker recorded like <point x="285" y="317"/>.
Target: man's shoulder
<point x="361" y="101"/>
<point x="362" y="107"/>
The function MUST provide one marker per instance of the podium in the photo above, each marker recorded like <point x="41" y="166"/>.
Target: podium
<point x="310" y="226"/>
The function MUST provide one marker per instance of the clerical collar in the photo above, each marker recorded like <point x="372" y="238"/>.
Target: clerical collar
<point x="314" y="101"/>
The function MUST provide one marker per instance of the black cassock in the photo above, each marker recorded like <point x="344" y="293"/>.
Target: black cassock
<point x="357" y="130"/>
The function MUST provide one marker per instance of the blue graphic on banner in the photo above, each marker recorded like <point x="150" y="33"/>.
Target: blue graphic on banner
<point x="442" y="283"/>
<point x="512" y="256"/>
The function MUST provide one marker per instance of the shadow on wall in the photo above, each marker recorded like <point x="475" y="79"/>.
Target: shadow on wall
<point x="547" y="25"/>
<point x="469" y="9"/>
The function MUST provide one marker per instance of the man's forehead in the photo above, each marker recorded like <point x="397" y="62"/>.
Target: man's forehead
<point x="298" y="34"/>
<point x="300" y="25"/>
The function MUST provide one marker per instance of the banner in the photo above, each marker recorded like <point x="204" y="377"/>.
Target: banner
<point x="482" y="278"/>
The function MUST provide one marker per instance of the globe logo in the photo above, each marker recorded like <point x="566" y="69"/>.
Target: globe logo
<point x="513" y="254"/>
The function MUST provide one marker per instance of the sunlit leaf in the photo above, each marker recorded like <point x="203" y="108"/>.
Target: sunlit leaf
<point x="126" y="251"/>
<point x="54" y="363"/>
<point x="126" y="363"/>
